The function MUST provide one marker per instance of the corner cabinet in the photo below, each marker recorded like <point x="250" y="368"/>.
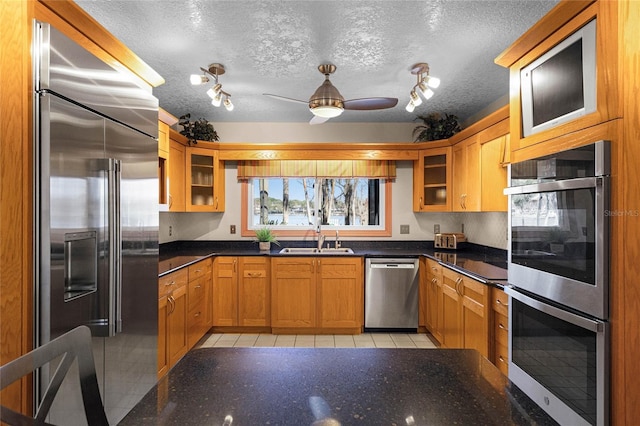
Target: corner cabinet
<point x="432" y="180"/>
<point x="205" y="181"/>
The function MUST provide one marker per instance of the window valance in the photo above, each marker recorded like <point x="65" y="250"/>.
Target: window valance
<point x="376" y="169"/>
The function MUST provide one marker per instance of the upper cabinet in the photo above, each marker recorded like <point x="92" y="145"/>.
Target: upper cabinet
<point x="589" y="28"/>
<point x="432" y="180"/>
<point x="493" y="176"/>
<point x="177" y="185"/>
<point x="163" y="164"/>
<point x="205" y="181"/>
<point x="196" y="176"/>
<point x="466" y="172"/>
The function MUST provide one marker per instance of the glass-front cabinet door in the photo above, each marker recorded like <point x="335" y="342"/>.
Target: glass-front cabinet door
<point x="205" y="181"/>
<point x="432" y="180"/>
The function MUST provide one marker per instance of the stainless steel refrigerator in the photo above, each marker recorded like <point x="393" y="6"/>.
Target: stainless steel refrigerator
<point x="96" y="221"/>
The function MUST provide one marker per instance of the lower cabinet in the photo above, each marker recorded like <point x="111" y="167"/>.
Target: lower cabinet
<point x="172" y="319"/>
<point x="431" y="297"/>
<point x="500" y="308"/>
<point x="318" y="294"/>
<point x="466" y="313"/>
<point x="183" y="312"/>
<point x="199" y="298"/>
<point x="241" y="291"/>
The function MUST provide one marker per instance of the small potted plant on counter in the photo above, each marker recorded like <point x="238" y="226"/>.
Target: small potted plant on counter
<point x="265" y="237"/>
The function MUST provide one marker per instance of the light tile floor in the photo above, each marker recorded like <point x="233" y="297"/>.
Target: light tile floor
<point x="365" y="340"/>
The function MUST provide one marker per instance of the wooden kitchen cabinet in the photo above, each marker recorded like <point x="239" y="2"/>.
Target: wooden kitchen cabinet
<point x="241" y="291"/>
<point x="465" y="313"/>
<point x="432" y="180"/>
<point x="163" y="163"/>
<point x="199" y="301"/>
<point x="319" y="294"/>
<point x="172" y="319"/>
<point x="293" y="292"/>
<point x="500" y="310"/>
<point x="177" y="155"/>
<point x="466" y="172"/>
<point x="340" y="295"/>
<point x="432" y="296"/>
<point x="494" y="174"/>
<point x="205" y="180"/>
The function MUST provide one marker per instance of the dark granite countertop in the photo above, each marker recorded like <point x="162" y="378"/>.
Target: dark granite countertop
<point x="296" y="386"/>
<point x="485" y="264"/>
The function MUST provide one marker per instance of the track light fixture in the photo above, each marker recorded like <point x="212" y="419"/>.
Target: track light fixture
<point x="217" y="95"/>
<point x="424" y="85"/>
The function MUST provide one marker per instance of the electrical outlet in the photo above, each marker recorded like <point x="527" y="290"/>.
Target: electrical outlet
<point x="404" y="229"/>
<point x="232" y="229"/>
<point x="170" y="230"/>
<point x="436" y="229"/>
<point x="462" y="228"/>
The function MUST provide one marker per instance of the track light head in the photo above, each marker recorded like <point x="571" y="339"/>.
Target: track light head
<point x="197" y="79"/>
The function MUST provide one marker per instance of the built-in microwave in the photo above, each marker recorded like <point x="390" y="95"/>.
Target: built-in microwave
<point x="558" y="227"/>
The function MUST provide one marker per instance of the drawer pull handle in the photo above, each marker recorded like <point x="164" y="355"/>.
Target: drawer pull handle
<point x="502" y="327"/>
<point x="170" y="283"/>
<point x="502" y="359"/>
<point x="198" y="286"/>
<point x="499" y="302"/>
<point x="197" y="314"/>
<point x="254" y="274"/>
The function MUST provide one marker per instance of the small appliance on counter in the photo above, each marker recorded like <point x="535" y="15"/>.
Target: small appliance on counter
<point x="450" y="240"/>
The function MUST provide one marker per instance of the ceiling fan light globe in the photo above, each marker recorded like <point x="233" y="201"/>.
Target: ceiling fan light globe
<point x="327" y="111"/>
<point x="197" y="79"/>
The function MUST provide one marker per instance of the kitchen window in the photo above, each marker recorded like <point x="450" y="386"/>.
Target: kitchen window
<point x="301" y="204"/>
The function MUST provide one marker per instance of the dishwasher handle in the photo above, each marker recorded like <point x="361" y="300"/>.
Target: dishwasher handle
<point x="393" y="266"/>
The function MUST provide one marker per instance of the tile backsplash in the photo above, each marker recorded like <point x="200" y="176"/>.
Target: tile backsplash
<point x="486" y="228"/>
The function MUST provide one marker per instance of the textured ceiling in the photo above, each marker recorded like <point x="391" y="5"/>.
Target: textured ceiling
<point x="276" y="46"/>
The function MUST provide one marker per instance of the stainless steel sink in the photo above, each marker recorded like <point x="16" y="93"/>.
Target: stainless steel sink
<point x="313" y="250"/>
<point x="341" y="250"/>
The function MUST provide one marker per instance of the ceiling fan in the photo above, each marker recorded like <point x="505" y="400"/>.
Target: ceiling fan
<point x="327" y="102"/>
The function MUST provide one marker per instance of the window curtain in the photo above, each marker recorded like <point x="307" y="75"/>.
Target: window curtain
<point x="374" y="169"/>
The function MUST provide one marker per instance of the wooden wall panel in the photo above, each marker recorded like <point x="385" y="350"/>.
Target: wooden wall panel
<point x="15" y="194"/>
<point x="626" y="338"/>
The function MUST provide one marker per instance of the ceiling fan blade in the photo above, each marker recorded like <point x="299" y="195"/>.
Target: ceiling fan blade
<point x="284" y="98"/>
<point x="316" y="119"/>
<point x="365" y="104"/>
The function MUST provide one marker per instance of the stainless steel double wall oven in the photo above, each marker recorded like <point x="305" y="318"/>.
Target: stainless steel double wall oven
<point x="559" y="282"/>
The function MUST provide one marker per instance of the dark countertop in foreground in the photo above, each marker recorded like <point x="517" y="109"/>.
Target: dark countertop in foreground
<point x="296" y="386"/>
<point x="483" y="263"/>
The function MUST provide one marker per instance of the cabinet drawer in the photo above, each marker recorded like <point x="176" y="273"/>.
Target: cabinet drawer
<point x="254" y="273"/>
<point x="501" y="328"/>
<point x="502" y="358"/>
<point x="500" y="301"/>
<point x="200" y="269"/>
<point x="168" y="283"/>
<point x="197" y="292"/>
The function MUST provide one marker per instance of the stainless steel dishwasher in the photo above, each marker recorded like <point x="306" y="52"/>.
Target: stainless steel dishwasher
<point x="391" y="294"/>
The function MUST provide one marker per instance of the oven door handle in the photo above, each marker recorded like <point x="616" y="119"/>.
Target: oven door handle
<point x="596" y="326"/>
<point x="559" y="185"/>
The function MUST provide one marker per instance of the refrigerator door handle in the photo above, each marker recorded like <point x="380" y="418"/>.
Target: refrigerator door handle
<point x="115" y="247"/>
